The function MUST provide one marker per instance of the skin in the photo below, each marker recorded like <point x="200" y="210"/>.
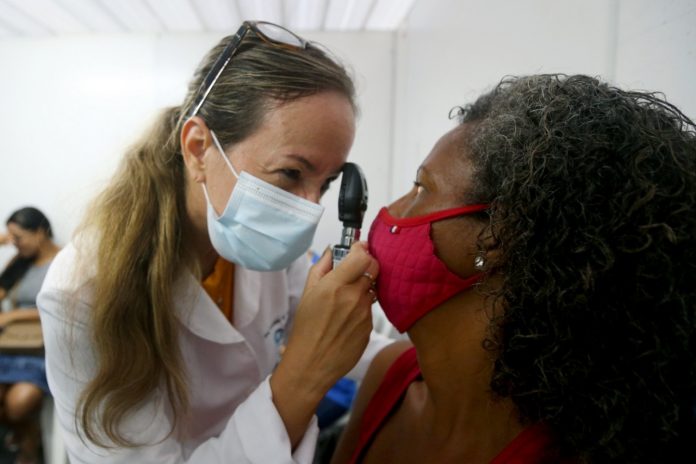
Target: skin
<point x="22" y="400"/>
<point x="333" y="320"/>
<point x="449" y="415"/>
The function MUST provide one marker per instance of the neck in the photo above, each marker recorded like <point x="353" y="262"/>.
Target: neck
<point x="47" y="251"/>
<point x="203" y="249"/>
<point x="196" y="208"/>
<point x="456" y="397"/>
<point x="206" y="260"/>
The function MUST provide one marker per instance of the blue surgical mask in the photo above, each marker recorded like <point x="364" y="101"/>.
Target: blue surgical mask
<point x="263" y="227"/>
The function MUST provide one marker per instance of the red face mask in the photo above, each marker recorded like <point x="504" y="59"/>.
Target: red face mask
<point x="412" y="280"/>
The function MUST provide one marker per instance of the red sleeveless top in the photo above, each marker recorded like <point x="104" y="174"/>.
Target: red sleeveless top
<point x="529" y="447"/>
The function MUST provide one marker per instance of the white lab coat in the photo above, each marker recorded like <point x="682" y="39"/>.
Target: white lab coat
<point x="232" y="417"/>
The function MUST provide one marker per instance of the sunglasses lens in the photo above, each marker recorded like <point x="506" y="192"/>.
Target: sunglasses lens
<point x="279" y="34"/>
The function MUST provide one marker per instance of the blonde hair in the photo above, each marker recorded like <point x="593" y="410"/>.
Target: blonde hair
<point x="140" y="223"/>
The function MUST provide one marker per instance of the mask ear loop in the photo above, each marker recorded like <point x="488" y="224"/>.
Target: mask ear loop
<point x="222" y="153"/>
<point x="229" y="163"/>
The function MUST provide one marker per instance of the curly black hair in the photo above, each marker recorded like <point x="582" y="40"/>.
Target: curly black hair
<point x="593" y="194"/>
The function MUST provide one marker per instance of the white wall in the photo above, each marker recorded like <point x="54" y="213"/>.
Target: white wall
<point x="71" y="106"/>
<point x="449" y="51"/>
<point x="656" y="49"/>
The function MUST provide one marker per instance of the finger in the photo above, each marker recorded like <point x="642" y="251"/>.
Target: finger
<point x="373" y="270"/>
<point x="373" y="295"/>
<point x="357" y="262"/>
<point x="368" y="298"/>
<point x="369" y="277"/>
<point x="320" y="268"/>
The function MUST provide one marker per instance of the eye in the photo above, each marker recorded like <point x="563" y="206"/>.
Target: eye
<point x="292" y="174"/>
<point x="327" y="184"/>
<point x="419" y="187"/>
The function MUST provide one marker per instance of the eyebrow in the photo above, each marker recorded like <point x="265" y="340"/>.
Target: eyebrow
<point x="304" y="161"/>
<point x="310" y="167"/>
<point x="427" y="178"/>
<point x="422" y="170"/>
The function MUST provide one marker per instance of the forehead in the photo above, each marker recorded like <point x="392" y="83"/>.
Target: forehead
<point x="317" y="111"/>
<point x="16" y="229"/>
<point x="320" y="127"/>
<point x="449" y="164"/>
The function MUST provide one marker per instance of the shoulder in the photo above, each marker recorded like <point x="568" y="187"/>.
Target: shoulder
<point x="381" y="364"/>
<point x="66" y="284"/>
<point x="63" y="266"/>
<point x="73" y="266"/>
<point x="373" y="379"/>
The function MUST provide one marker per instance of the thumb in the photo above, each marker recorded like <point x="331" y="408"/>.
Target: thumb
<point x="320" y="268"/>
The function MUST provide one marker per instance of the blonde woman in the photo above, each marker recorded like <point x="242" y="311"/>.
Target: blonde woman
<point x="166" y="319"/>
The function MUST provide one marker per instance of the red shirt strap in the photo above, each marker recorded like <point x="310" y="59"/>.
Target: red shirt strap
<point x="397" y="379"/>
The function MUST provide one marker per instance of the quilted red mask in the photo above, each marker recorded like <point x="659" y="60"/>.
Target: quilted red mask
<point x="412" y="280"/>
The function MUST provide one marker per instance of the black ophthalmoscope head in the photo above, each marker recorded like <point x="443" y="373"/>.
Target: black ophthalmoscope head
<point x="352" y="203"/>
<point x="352" y="198"/>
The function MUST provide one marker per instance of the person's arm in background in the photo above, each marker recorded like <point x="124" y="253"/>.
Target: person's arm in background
<point x="4" y="240"/>
<point x="19" y="314"/>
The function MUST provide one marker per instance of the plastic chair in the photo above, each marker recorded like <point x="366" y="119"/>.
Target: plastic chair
<point x="53" y="448"/>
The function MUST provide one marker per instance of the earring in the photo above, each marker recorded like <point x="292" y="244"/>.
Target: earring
<point x="479" y="262"/>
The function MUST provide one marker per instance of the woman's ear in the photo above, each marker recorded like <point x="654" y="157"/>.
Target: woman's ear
<point x="488" y="254"/>
<point x="195" y="140"/>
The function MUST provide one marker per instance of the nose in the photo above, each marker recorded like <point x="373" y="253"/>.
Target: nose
<point x="313" y="195"/>
<point x="399" y="208"/>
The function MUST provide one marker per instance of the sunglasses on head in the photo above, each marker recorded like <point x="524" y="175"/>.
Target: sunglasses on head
<point x="268" y="32"/>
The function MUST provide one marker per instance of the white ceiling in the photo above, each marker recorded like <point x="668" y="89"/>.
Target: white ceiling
<point x="28" y="18"/>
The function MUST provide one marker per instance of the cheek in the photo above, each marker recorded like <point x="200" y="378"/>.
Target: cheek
<point x="25" y="248"/>
<point x="219" y="181"/>
<point x="455" y="245"/>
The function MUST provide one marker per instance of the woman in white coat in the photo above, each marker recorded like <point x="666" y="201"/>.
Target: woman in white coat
<point x="166" y="319"/>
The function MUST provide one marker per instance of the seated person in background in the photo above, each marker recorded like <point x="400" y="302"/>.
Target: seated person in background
<point x="23" y="377"/>
<point x="544" y="266"/>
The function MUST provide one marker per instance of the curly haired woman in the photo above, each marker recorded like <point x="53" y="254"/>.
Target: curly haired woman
<point x="544" y="267"/>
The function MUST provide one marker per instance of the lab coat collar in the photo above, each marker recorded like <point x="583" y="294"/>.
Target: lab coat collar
<point x="199" y="314"/>
<point x="247" y="295"/>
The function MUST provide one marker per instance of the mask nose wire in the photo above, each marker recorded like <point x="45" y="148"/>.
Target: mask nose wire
<point x="222" y="153"/>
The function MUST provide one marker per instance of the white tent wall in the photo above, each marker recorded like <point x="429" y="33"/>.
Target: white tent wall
<point x="450" y="51"/>
<point x="73" y="104"/>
